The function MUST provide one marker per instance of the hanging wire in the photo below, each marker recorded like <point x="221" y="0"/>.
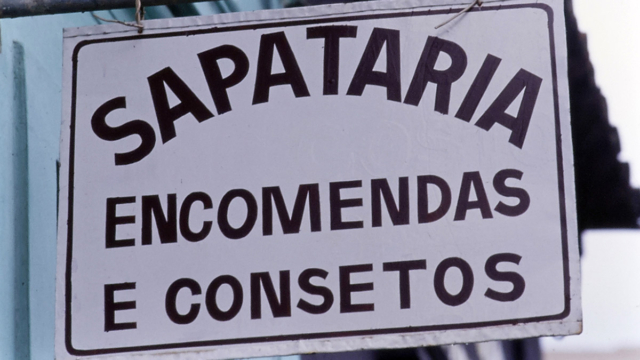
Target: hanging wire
<point x="476" y="2"/>
<point x="139" y="17"/>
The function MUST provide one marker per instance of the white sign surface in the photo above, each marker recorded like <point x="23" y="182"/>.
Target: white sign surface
<point x="317" y="179"/>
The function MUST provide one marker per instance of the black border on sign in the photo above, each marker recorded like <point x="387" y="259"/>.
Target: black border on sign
<point x="561" y="191"/>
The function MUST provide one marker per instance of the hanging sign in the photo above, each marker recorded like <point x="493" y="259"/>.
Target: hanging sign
<point x="317" y="179"/>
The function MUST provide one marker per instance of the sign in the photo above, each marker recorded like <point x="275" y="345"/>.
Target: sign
<point x="317" y="179"/>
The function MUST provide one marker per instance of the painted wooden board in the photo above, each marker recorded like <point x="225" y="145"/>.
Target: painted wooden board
<point x="317" y="179"/>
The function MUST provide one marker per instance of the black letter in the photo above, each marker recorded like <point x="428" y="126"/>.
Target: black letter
<point x="185" y="210"/>
<point x="167" y="226"/>
<point x="113" y="221"/>
<point x="170" y="301"/>
<point x="189" y="102"/>
<point x="290" y="224"/>
<point x="478" y="88"/>
<point x="212" y="304"/>
<point x="280" y="308"/>
<point x="304" y="281"/>
<point x="499" y="183"/>
<point x="223" y="214"/>
<point x="217" y="84"/>
<point x="496" y="113"/>
<point x="346" y="288"/>
<point x="336" y="204"/>
<point x="110" y="307"/>
<point x="331" y="35"/>
<point x="291" y="75"/>
<point x="424" y="216"/>
<point x="399" y="214"/>
<point x="467" y="281"/>
<point x="403" y="268"/>
<point x="364" y="73"/>
<point x="135" y="127"/>
<point x="464" y="204"/>
<point x="491" y="268"/>
<point x="426" y="73"/>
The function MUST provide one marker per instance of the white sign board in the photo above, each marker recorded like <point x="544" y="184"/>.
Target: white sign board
<point x="317" y="179"/>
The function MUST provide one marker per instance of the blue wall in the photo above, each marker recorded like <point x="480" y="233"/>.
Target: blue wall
<point x="30" y="117"/>
<point x="30" y="110"/>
